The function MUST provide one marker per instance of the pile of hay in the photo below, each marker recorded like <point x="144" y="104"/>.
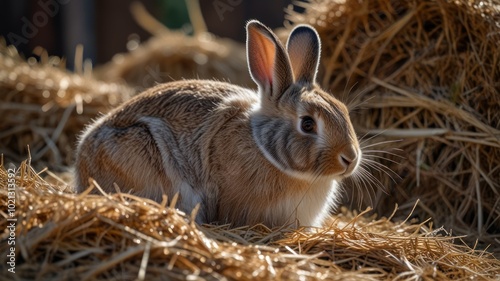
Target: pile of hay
<point x="62" y="236"/>
<point x="426" y="73"/>
<point x="46" y="107"/>
<point x="173" y="55"/>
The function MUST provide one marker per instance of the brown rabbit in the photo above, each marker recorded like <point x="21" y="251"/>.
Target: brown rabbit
<point x="274" y="156"/>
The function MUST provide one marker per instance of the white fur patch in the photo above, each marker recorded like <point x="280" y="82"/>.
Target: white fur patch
<point x="321" y="129"/>
<point x="256" y="106"/>
<point x="316" y="204"/>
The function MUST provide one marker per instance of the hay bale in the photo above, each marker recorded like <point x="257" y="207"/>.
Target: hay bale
<point x="424" y="72"/>
<point x="46" y="107"/>
<point x="60" y="236"/>
<point x="173" y="55"/>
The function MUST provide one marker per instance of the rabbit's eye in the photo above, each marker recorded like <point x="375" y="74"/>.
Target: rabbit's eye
<point x="308" y="125"/>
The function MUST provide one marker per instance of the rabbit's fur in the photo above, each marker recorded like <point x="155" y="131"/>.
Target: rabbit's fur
<point x="245" y="157"/>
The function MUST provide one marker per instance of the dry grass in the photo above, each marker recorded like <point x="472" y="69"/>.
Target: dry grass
<point x="63" y="236"/>
<point x="425" y="77"/>
<point x="173" y="55"/>
<point x="46" y="107"/>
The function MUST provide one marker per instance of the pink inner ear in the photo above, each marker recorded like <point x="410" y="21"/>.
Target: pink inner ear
<point x="263" y="52"/>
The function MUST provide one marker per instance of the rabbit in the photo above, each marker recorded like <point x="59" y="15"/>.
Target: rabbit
<point x="274" y="156"/>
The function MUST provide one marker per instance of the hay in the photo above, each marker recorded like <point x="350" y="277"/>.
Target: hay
<point x="46" y="107"/>
<point x="427" y="73"/>
<point x="62" y="236"/>
<point x="173" y="55"/>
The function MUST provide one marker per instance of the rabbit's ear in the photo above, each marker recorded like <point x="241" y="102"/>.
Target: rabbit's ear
<point x="304" y="48"/>
<point x="268" y="61"/>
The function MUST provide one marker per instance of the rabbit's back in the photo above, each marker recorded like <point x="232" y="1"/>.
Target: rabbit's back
<point x="184" y="105"/>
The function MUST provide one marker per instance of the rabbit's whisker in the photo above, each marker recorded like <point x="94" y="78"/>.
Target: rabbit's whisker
<point x="380" y="157"/>
<point x="382" y="169"/>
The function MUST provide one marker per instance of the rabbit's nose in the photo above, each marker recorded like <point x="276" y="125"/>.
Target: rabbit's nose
<point x="345" y="160"/>
<point x="348" y="158"/>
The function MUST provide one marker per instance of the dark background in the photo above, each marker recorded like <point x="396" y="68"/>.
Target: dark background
<point x="104" y="27"/>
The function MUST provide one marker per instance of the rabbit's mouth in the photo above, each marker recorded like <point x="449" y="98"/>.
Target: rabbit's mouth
<point x="349" y="158"/>
<point x="351" y="165"/>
